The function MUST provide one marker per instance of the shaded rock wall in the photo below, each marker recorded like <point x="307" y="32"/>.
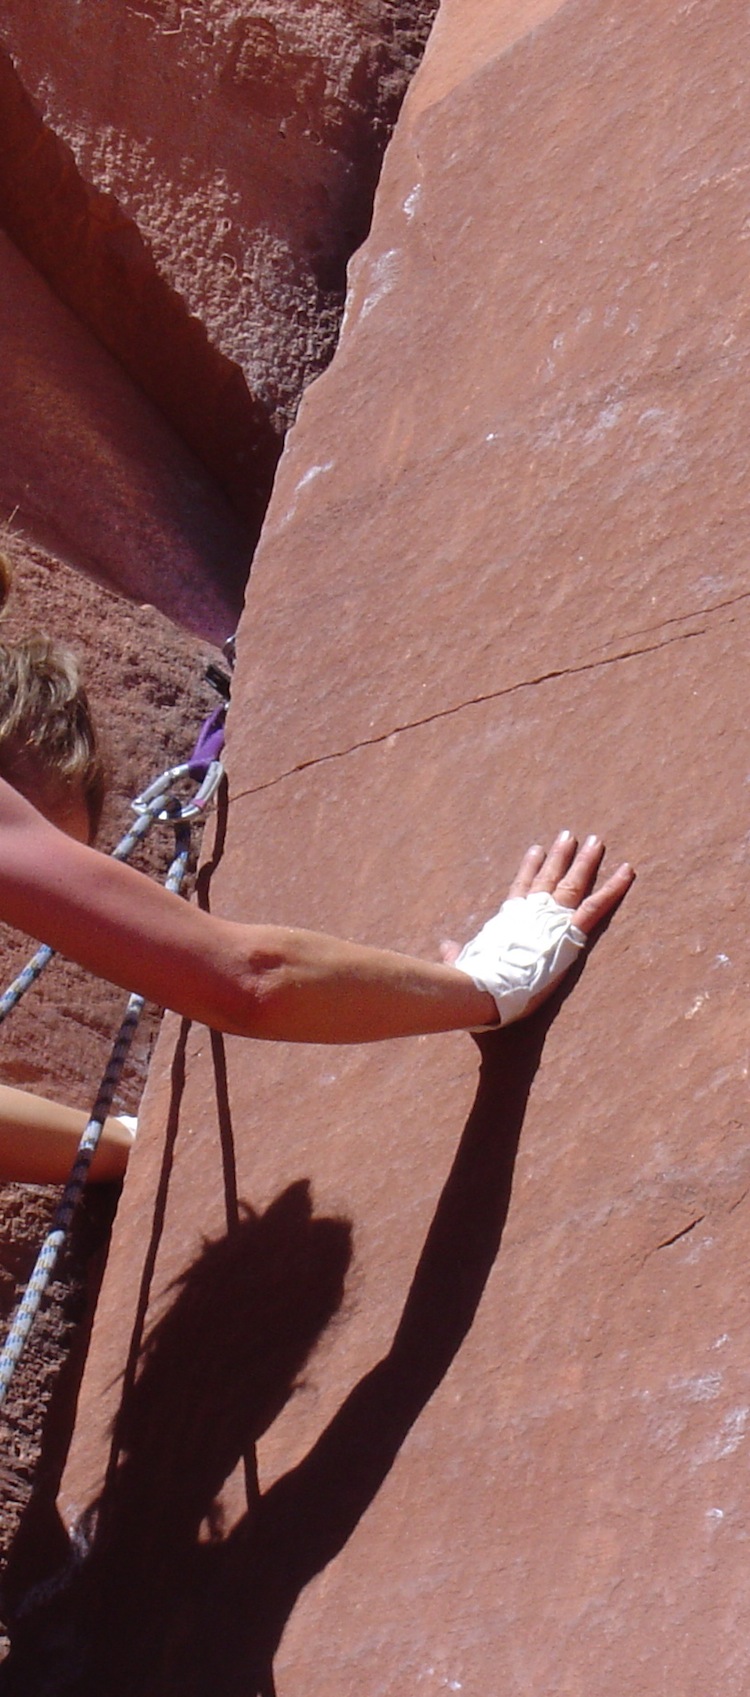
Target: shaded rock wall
<point x="501" y="589"/>
<point x="91" y="469"/>
<point x="243" y="140"/>
<point x="191" y="182"/>
<point x="95" y="259"/>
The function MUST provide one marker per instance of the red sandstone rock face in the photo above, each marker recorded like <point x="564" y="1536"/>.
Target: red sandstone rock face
<point x="502" y="588"/>
<point x="90" y="467"/>
<point x="234" y="137"/>
<point x="97" y="261"/>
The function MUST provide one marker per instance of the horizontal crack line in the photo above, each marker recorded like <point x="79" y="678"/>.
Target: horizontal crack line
<point x="698" y="613"/>
<point x="461" y="706"/>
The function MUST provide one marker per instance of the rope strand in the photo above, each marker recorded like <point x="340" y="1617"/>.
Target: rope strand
<point x="46" y="1261"/>
<point x="156" y="802"/>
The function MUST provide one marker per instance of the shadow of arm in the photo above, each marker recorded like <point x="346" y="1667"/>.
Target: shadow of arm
<point x="311" y="1512"/>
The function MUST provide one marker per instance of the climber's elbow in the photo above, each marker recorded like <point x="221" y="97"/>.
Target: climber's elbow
<point x="251" y="983"/>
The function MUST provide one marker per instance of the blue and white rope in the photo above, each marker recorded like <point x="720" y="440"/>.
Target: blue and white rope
<point x="28" y="976"/>
<point x="152" y="805"/>
<point x="34" y="967"/>
<point x="44" y="1267"/>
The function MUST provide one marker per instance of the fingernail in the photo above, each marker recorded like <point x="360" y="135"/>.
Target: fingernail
<point x="563" y="836"/>
<point x="591" y="842"/>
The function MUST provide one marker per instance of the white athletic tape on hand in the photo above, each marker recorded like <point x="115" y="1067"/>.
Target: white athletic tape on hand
<point x="522" y="951"/>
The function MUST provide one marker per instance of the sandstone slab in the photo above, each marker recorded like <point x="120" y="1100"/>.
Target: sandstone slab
<point x="501" y="589"/>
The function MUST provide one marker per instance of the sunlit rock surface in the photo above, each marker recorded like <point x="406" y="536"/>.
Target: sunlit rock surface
<point x="501" y="590"/>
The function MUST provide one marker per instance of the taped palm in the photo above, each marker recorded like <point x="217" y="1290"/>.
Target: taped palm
<point x="521" y="954"/>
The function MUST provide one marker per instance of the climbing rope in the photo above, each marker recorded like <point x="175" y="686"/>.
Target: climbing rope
<point x="157" y="802"/>
<point x="154" y="803"/>
<point x="47" y="1258"/>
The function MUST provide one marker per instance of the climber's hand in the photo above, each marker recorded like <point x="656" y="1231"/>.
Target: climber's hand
<point x="521" y="954"/>
<point x="569" y="874"/>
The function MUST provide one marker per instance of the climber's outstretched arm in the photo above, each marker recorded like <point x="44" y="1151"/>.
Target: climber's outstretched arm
<point x="261" y="980"/>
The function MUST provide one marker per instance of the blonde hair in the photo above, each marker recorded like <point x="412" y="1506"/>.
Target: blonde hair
<point x="47" y="735"/>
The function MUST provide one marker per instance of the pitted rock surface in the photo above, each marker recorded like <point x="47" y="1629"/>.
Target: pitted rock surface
<point x="191" y="183"/>
<point x="91" y="468"/>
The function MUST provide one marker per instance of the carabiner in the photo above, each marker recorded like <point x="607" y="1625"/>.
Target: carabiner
<point x="178" y="810"/>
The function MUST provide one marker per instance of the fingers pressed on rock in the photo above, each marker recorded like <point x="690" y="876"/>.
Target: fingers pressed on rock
<point x="602" y="902"/>
<point x="577" y="883"/>
<point x="556" y="863"/>
<point x="527" y="871"/>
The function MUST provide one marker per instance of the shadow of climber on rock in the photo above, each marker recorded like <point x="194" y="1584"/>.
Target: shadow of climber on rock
<point x="165" y="1603"/>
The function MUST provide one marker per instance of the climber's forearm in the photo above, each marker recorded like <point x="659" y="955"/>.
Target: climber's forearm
<point x="302" y="986"/>
<point x="264" y="981"/>
<point x="255" y="981"/>
<point x="272" y="982"/>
